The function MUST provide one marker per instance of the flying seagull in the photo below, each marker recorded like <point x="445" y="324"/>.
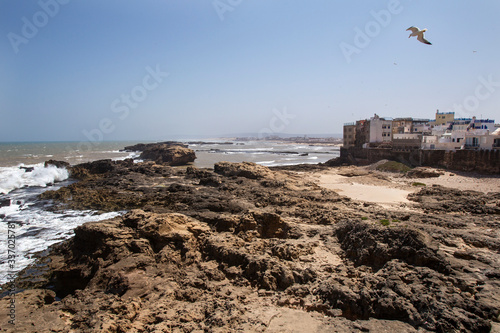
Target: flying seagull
<point x="419" y="33"/>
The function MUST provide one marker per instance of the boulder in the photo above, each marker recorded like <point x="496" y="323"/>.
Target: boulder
<point x="168" y="154"/>
<point x="57" y="164"/>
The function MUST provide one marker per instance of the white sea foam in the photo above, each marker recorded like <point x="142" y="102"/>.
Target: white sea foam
<point x="37" y="229"/>
<point x="12" y="178"/>
<point x="267" y="163"/>
<point x="132" y="155"/>
<point x="9" y="210"/>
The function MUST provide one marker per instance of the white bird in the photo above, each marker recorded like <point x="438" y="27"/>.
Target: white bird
<point x="419" y="33"/>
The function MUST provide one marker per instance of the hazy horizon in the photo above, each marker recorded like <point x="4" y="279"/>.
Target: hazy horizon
<point x="129" y="71"/>
<point x="187" y="137"/>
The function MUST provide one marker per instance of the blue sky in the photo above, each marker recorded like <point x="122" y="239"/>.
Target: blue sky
<point x="155" y="69"/>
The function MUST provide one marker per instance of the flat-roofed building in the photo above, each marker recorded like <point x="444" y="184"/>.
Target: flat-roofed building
<point x="380" y="130"/>
<point x="362" y="137"/>
<point x="442" y="118"/>
<point x="402" y="125"/>
<point x="349" y="134"/>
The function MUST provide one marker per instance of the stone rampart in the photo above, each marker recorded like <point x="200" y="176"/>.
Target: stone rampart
<point x="483" y="161"/>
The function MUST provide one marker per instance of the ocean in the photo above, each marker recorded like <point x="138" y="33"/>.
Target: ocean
<point x="32" y="227"/>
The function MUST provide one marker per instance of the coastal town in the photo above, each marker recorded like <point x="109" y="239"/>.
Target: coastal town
<point x="445" y="132"/>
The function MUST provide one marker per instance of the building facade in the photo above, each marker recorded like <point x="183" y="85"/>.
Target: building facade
<point x="380" y="130"/>
<point x="406" y="134"/>
<point x="349" y="134"/>
<point x="442" y="118"/>
<point x="402" y="125"/>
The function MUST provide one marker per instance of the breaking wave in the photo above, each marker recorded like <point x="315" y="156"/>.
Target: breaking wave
<point x="21" y="176"/>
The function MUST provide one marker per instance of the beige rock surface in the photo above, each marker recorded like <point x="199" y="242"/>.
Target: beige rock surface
<point x="251" y="249"/>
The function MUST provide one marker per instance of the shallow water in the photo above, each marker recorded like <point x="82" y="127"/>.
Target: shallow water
<point x="263" y="152"/>
<point x="33" y="228"/>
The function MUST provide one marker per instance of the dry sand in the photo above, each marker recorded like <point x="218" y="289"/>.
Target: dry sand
<point x="369" y="185"/>
<point x="359" y="191"/>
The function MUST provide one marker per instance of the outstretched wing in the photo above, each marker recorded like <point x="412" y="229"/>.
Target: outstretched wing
<point x="421" y="38"/>
<point x="413" y="29"/>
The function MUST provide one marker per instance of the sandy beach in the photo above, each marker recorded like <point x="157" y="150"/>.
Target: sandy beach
<point x="370" y="185"/>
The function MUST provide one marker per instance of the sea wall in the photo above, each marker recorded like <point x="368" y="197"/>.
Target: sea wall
<point x="483" y="161"/>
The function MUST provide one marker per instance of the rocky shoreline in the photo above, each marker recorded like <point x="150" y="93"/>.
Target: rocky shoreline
<point x="245" y="248"/>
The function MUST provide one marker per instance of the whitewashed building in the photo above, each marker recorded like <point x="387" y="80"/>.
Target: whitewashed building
<point x="380" y="129"/>
<point x="462" y="133"/>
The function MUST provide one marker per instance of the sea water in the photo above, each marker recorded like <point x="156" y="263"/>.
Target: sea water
<point x="23" y="177"/>
<point x="267" y="153"/>
<point x="32" y="227"/>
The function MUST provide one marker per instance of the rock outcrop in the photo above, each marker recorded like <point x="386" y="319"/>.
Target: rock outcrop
<point x="245" y="248"/>
<point x="169" y="152"/>
<point x="143" y="146"/>
<point x="170" y="155"/>
<point x="423" y="172"/>
<point x="245" y="169"/>
<point x="57" y="164"/>
<point x="441" y="199"/>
